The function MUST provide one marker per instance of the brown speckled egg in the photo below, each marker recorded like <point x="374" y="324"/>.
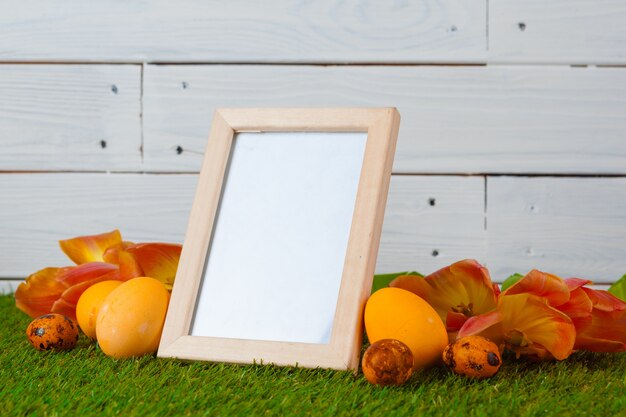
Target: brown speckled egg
<point x="473" y="356"/>
<point x="52" y="331"/>
<point x="388" y="362"/>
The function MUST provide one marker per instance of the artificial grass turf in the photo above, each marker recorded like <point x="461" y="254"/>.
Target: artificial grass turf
<point x="86" y="382"/>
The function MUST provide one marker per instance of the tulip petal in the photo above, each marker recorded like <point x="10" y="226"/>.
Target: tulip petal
<point x="86" y="272"/>
<point x="77" y="280"/>
<point x="129" y="267"/>
<point x="454" y="321"/>
<point x="58" y="289"/>
<point x="413" y="283"/>
<point x="542" y="284"/>
<point x="463" y="287"/>
<point x="496" y="291"/>
<point x="604" y="300"/>
<point x="73" y="293"/>
<point x="111" y="255"/>
<point x="605" y="332"/>
<point x="538" y="323"/>
<point x="604" y="329"/>
<point x="579" y="304"/>
<point x="573" y="283"/>
<point x="36" y="295"/>
<point x="527" y="325"/>
<point x="477" y="283"/>
<point x="85" y="249"/>
<point x="156" y="260"/>
<point x="488" y="325"/>
<point x="61" y="306"/>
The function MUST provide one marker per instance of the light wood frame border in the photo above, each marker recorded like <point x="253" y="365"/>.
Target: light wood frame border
<point x="342" y="352"/>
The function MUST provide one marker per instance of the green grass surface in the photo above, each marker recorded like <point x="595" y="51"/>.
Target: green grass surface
<point x="86" y="382"/>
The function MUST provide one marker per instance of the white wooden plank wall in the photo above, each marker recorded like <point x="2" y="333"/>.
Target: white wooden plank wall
<point x="70" y="117"/>
<point x="512" y="144"/>
<point x="40" y="209"/>
<point x="575" y="227"/>
<point x="430" y="221"/>
<point x="583" y="32"/>
<point x="327" y="31"/>
<point x="454" y="119"/>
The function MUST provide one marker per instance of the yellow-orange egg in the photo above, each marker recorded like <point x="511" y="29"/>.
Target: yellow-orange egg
<point x="131" y="318"/>
<point x="89" y="304"/>
<point x="394" y="313"/>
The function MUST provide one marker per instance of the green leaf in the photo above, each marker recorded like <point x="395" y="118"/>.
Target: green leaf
<point x="618" y="288"/>
<point x="383" y="280"/>
<point x="511" y="280"/>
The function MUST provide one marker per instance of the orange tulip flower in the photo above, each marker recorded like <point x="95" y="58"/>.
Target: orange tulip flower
<point x="155" y="260"/>
<point x="526" y="324"/>
<point x="541" y="284"/>
<point x="85" y="249"/>
<point x="456" y="292"/>
<point x="545" y="316"/>
<point x="600" y="318"/>
<point x="98" y="258"/>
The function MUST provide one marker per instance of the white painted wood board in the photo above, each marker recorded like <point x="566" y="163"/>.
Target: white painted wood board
<point x="432" y="221"/>
<point x="55" y="117"/>
<point x="566" y="226"/>
<point x="40" y="209"/>
<point x="243" y="31"/>
<point x="557" y="31"/>
<point x="8" y="286"/>
<point x="454" y="119"/>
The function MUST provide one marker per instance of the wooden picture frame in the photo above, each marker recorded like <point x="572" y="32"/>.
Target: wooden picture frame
<point x="344" y="344"/>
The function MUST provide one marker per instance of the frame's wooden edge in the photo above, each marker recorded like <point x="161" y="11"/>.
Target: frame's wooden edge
<point x="365" y="236"/>
<point x="198" y="234"/>
<point x="351" y="119"/>
<point x="254" y="351"/>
